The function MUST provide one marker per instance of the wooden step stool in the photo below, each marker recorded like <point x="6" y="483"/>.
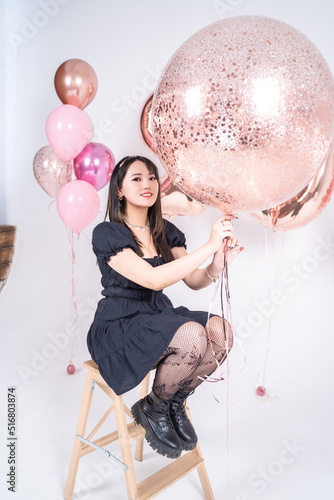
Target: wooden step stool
<point x="149" y="487"/>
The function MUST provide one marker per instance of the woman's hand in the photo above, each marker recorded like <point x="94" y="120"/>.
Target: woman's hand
<point x="233" y="248"/>
<point x="221" y="230"/>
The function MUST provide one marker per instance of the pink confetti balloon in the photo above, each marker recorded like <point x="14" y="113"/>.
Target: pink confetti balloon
<point x="51" y="172"/>
<point x="243" y="115"/>
<point x="94" y="164"/>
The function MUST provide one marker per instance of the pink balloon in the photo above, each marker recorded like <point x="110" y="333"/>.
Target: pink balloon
<point x="78" y="204"/>
<point x="94" y="164"/>
<point x="243" y="115"/>
<point x="68" y="131"/>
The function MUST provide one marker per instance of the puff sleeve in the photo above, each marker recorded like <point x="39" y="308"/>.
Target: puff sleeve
<point x="174" y="236"/>
<point x="109" y="238"/>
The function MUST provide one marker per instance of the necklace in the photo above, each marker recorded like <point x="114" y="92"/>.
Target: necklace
<point x="136" y="226"/>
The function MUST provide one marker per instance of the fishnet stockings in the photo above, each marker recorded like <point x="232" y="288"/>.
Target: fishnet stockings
<point x="189" y="356"/>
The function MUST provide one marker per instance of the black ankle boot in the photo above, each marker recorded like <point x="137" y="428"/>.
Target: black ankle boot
<point x="181" y="422"/>
<point x="153" y="414"/>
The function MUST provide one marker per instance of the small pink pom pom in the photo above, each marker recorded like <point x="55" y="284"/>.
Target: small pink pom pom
<point x="70" y="369"/>
<point x="261" y="391"/>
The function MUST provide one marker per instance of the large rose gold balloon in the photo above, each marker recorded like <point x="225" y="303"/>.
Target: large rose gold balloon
<point x="243" y="115"/>
<point x="51" y="172"/>
<point x="305" y="206"/>
<point x="76" y="83"/>
<point x="146" y="124"/>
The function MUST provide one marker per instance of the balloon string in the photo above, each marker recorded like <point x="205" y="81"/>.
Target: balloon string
<point x="264" y="369"/>
<point x="270" y="308"/>
<point x="74" y="305"/>
<point x="224" y="278"/>
<point x="69" y="169"/>
<point x="228" y="314"/>
<point x="227" y="433"/>
<point x="51" y="203"/>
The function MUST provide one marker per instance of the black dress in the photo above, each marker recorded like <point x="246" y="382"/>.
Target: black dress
<point x="133" y="325"/>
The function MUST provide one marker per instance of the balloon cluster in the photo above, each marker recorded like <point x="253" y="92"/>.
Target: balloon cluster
<point x="70" y="132"/>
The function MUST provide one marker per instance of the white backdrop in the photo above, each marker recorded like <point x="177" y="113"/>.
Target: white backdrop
<point x="277" y="451"/>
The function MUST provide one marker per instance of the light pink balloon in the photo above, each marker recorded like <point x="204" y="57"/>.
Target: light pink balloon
<point x="78" y="204"/>
<point x="94" y="164"/>
<point x="68" y="131"/>
<point x="243" y="115"/>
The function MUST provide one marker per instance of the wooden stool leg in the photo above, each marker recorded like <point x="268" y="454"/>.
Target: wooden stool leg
<point x="204" y="478"/>
<point x="124" y="441"/>
<point x="201" y="469"/>
<point x="144" y="387"/>
<point x="77" y="445"/>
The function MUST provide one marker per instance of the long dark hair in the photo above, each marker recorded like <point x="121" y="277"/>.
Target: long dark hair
<point x="115" y="206"/>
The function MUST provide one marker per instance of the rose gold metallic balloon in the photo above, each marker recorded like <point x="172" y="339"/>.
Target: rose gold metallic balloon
<point x="146" y="124"/>
<point x="76" y="83"/>
<point x="305" y="206"/>
<point x="243" y="115"/>
<point x="175" y="202"/>
<point x="167" y="186"/>
<point x="51" y="172"/>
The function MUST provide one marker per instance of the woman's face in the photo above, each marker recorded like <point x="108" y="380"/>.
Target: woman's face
<point x="140" y="187"/>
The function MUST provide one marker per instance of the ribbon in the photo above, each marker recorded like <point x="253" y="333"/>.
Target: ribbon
<point x="74" y="305"/>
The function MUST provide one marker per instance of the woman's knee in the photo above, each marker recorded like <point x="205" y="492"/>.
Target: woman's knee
<point x="192" y="337"/>
<point x="220" y="332"/>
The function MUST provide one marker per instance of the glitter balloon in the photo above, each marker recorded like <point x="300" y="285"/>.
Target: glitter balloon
<point x="243" y="115"/>
<point x="51" y="172"/>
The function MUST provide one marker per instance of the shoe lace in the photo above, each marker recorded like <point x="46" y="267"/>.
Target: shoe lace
<point x="178" y="407"/>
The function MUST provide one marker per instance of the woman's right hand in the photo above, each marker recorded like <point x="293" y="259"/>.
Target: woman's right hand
<point x="221" y="230"/>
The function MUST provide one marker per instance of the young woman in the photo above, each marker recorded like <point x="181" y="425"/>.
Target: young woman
<point x="136" y="328"/>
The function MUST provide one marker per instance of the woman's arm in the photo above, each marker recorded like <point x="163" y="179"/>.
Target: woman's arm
<point x="136" y="269"/>
<point x="198" y="279"/>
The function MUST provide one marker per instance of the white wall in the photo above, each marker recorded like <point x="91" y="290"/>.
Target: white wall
<point x="128" y="43"/>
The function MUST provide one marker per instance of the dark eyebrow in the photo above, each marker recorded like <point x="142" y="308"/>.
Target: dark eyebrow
<point x="139" y="173"/>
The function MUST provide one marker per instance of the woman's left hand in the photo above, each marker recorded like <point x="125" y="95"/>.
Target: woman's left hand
<point x="233" y="248"/>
